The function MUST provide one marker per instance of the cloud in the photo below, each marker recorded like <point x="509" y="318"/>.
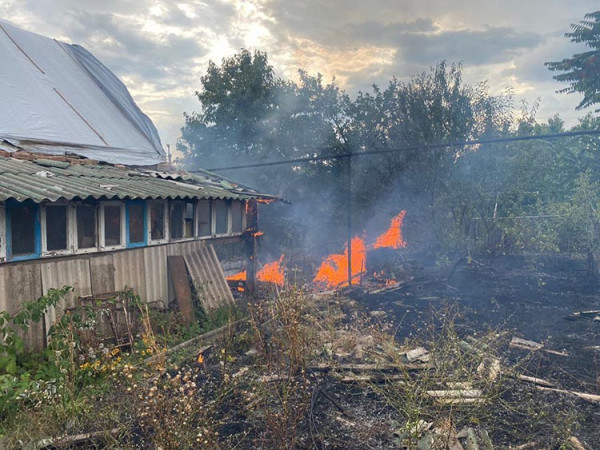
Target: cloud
<point x="161" y="48"/>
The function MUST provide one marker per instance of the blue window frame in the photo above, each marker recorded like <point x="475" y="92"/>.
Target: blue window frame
<point x="23" y="231"/>
<point x="136" y="224"/>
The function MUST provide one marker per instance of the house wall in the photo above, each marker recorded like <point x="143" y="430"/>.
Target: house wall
<point x="142" y="269"/>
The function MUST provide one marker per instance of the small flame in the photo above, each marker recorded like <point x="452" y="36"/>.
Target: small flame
<point x="240" y="276"/>
<point x="258" y="233"/>
<point x="392" y="238"/>
<point x="334" y="269"/>
<point x="272" y="273"/>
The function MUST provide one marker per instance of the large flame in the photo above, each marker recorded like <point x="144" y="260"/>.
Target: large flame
<point x="272" y="273"/>
<point x="392" y="238"/>
<point x="334" y="269"/>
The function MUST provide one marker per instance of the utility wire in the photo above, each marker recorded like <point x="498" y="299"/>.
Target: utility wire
<point x="409" y="148"/>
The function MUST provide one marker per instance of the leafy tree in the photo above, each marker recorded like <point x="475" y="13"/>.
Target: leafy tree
<point x="248" y="115"/>
<point x="582" y="70"/>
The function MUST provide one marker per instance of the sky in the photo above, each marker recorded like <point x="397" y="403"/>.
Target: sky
<point x="160" y="49"/>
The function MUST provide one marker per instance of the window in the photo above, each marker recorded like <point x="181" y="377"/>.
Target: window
<point x="176" y="220"/>
<point x="158" y="221"/>
<point x="204" y="218"/>
<point x="86" y="226"/>
<point x="222" y="217"/>
<point x="188" y="219"/>
<point x="56" y="223"/>
<point x="136" y="223"/>
<point x="113" y="225"/>
<point x="237" y="216"/>
<point x="23" y="233"/>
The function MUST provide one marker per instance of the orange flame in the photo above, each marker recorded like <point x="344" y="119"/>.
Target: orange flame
<point x="393" y="236"/>
<point x="334" y="269"/>
<point x="272" y="273"/>
<point x="240" y="276"/>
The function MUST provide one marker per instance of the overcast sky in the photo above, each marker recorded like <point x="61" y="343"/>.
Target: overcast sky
<point x="161" y="48"/>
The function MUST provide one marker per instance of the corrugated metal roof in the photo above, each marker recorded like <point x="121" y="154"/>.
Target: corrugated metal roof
<point x="41" y="181"/>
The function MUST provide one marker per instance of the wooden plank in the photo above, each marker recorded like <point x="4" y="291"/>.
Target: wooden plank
<point x="181" y="284"/>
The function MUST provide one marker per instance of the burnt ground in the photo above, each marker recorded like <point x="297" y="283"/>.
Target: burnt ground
<point x="329" y="370"/>
<point x="531" y="297"/>
<point x="526" y="297"/>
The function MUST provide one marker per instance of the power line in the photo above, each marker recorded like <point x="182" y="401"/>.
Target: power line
<point x="410" y="148"/>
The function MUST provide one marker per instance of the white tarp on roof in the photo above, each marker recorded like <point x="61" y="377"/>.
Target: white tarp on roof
<point x="57" y="97"/>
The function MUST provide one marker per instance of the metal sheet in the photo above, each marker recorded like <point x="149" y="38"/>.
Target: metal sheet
<point x="23" y="283"/>
<point x="102" y="274"/>
<point x="203" y="281"/>
<point x="155" y="267"/>
<point x="69" y="272"/>
<point x="45" y="180"/>
<point x="129" y="271"/>
<point x="207" y="275"/>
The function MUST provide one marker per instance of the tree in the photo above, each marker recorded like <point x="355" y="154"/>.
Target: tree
<point x="582" y="70"/>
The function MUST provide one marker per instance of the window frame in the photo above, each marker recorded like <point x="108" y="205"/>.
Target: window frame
<point x="37" y="241"/>
<point x="70" y="248"/>
<point x="101" y="238"/>
<point x="243" y="214"/>
<point x="228" y="206"/>
<point x="194" y="203"/>
<point x="2" y="233"/>
<point x="166" y="217"/>
<point x="211" y="209"/>
<point x="172" y="203"/>
<point x="96" y="248"/>
<point x="128" y="242"/>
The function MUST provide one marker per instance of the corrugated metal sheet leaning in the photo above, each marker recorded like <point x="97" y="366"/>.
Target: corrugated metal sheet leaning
<point x="48" y="180"/>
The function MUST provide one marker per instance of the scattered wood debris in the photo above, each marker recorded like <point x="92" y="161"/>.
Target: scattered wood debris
<point x="535" y="380"/>
<point x="576" y="443"/>
<point x="418" y="354"/>
<point x="593" y="398"/>
<point x="588" y="315"/>
<point x="532" y="346"/>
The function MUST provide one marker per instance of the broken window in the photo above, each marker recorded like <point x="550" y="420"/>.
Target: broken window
<point x="188" y="229"/>
<point x="86" y="226"/>
<point x="176" y="220"/>
<point x="157" y="221"/>
<point x="56" y="227"/>
<point x="112" y="225"/>
<point x="222" y="217"/>
<point x="204" y="218"/>
<point x="135" y="223"/>
<point x="237" y="212"/>
<point x="23" y="229"/>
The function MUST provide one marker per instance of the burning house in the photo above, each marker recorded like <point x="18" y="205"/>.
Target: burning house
<point x="86" y="198"/>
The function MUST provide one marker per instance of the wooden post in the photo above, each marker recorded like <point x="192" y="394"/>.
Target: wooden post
<point x="349" y="217"/>
<point x="251" y="245"/>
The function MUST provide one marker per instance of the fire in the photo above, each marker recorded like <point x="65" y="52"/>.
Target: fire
<point x="334" y="269"/>
<point x="240" y="276"/>
<point x="392" y="238"/>
<point x="272" y="273"/>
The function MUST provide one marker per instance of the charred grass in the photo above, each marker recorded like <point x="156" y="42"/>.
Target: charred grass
<point x="329" y="371"/>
